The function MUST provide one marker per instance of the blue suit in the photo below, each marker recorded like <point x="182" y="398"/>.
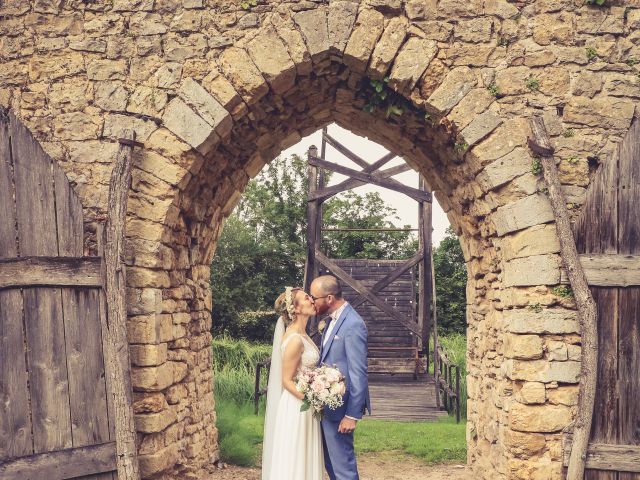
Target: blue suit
<point x="347" y="349"/>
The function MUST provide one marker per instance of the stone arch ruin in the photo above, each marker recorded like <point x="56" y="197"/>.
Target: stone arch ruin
<point x="215" y="92"/>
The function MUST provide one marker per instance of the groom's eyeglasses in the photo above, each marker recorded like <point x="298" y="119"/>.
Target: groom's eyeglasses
<point x="318" y="298"/>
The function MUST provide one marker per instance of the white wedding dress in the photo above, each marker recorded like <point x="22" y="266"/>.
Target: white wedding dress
<point x="293" y="439"/>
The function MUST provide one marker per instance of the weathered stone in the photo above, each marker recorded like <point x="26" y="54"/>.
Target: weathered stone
<point x="154" y="422"/>
<point x="340" y="21"/>
<point x="564" y="395"/>
<point x="553" y="28"/>
<point x="476" y="30"/>
<point x="534" y="270"/>
<point x="143" y="300"/>
<point x="152" y="379"/>
<point x="168" y="75"/>
<point x="271" y="57"/>
<point x="621" y="85"/>
<point x="158" y="461"/>
<point x="556" y="350"/>
<point x="481" y="126"/>
<point x="505" y="169"/>
<point x="76" y="126"/>
<point x="523" y="347"/>
<point x="536" y="240"/>
<point x="296" y="45"/>
<point x="148" y="355"/>
<point x="52" y="67"/>
<point x="147" y="100"/>
<point x="421" y="9"/>
<point x="543" y="371"/>
<point x="587" y="84"/>
<point x="387" y="47"/>
<point x="603" y="112"/>
<point x="238" y="67"/>
<point x="206" y="106"/>
<point x="433" y="30"/>
<point x="367" y="31"/>
<point x="114" y="124"/>
<point x="111" y="96"/>
<point x="529" y="211"/>
<point x="159" y="166"/>
<point x="475" y="102"/>
<point x="524" y="445"/>
<point x="538" y="418"/>
<point x="532" y="393"/>
<point x="386" y="6"/>
<point x="314" y="28"/>
<point x="148" y="402"/>
<point x="107" y="69"/>
<point x="412" y="61"/>
<point x="454" y="87"/>
<point x="190" y="127"/>
<point x="89" y="45"/>
<point x="548" y="321"/>
<point x="146" y="23"/>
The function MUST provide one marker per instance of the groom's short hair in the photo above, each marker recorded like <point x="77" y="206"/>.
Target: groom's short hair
<point x="330" y="285"/>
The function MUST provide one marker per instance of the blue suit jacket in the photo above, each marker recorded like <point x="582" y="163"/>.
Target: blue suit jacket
<point x="347" y="349"/>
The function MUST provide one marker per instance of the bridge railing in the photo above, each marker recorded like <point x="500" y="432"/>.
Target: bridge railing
<point x="447" y="378"/>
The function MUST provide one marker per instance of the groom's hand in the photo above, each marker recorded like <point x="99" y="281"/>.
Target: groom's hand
<point x="347" y="425"/>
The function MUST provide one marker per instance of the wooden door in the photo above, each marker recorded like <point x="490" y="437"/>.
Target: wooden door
<point x="54" y="422"/>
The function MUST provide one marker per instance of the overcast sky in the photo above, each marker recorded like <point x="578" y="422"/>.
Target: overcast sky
<point x="406" y="207"/>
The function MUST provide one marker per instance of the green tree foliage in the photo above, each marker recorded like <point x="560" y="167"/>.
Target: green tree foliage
<point x="451" y="281"/>
<point x="262" y="246"/>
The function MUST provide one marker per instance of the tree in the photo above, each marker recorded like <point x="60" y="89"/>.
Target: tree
<point x="451" y="281"/>
<point x="262" y="247"/>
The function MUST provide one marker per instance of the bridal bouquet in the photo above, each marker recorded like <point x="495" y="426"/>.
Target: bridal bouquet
<point x="322" y="387"/>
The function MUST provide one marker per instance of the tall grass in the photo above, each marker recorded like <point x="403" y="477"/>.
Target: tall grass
<point x="234" y="368"/>
<point x="455" y="347"/>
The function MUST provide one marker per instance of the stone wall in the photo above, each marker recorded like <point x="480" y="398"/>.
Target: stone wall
<point x="216" y="91"/>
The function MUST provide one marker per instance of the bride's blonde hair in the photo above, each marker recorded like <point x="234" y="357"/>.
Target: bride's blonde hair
<point x="285" y="304"/>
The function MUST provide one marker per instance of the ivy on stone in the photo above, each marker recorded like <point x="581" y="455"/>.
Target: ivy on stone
<point x="380" y="97"/>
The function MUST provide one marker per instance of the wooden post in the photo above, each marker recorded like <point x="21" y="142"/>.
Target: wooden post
<point x="540" y="144"/>
<point x="434" y="326"/>
<point x="311" y="267"/>
<point x="256" y="394"/>
<point x="424" y="267"/>
<point x="117" y="357"/>
<point x="457" y="394"/>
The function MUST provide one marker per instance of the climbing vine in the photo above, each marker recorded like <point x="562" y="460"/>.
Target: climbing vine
<point x="379" y="96"/>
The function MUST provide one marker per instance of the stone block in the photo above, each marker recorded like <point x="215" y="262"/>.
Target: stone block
<point x="115" y="123"/>
<point x="148" y="402"/>
<point x="76" y="126"/>
<point x="367" y="31"/>
<point x="206" y="106"/>
<point x="154" y="422"/>
<point x="147" y="101"/>
<point x="111" y="96"/>
<point x="148" y="355"/>
<point x="547" y="321"/>
<point x="451" y="91"/>
<point x="538" y="418"/>
<point x="602" y="112"/>
<point x="523" y="445"/>
<point x="141" y="301"/>
<point x="536" y="240"/>
<point x="526" y="212"/>
<point x="190" y="127"/>
<point x="296" y="46"/>
<point x="474" y="103"/>
<point x="505" y="169"/>
<point x="152" y="379"/>
<point x="557" y="350"/>
<point x="314" y="27"/>
<point x="51" y="67"/>
<point x="411" y="62"/>
<point x="104" y="69"/>
<point x="239" y="69"/>
<point x="534" y="270"/>
<point x="159" y="461"/>
<point x="387" y="47"/>
<point x="271" y="57"/>
<point x="523" y="346"/>
<point x="563" y="395"/>
<point x="532" y="393"/>
<point x="543" y="371"/>
<point x="481" y="126"/>
<point x="146" y="23"/>
<point x="145" y="277"/>
<point x="341" y="19"/>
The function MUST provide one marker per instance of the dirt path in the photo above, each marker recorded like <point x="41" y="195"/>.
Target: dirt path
<point x="385" y="466"/>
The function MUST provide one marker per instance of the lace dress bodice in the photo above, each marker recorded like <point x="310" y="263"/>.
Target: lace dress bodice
<point x="310" y="354"/>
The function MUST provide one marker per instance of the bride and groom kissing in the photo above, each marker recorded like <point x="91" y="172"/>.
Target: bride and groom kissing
<point x="298" y="446"/>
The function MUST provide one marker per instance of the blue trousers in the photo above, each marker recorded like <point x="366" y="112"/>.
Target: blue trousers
<point x="339" y="455"/>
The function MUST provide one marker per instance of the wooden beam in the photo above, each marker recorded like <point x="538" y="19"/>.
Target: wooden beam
<point x="414" y="193"/>
<point x="390" y="278"/>
<point x="348" y="184"/>
<point x="345" y="151"/>
<point x="118" y="365"/>
<point x="362" y="290"/>
<point x="587" y="311"/>
<point x="609" y="270"/>
<point x="601" y="456"/>
<point x="369" y="229"/>
<point x="50" y="271"/>
<point x="62" y="464"/>
<point x="311" y="269"/>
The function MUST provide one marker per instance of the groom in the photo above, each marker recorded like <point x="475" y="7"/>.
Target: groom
<point x="344" y="344"/>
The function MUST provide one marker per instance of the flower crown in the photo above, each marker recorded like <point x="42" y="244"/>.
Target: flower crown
<point x="288" y="302"/>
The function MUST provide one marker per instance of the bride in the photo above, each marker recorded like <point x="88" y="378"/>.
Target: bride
<point x="292" y="448"/>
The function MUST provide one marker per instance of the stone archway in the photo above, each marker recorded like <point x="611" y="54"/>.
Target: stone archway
<point x="215" y="92"/>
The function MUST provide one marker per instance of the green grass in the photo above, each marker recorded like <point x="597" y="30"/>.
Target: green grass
<point x="431" y="442"/>
<point x="240" y="431"/>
